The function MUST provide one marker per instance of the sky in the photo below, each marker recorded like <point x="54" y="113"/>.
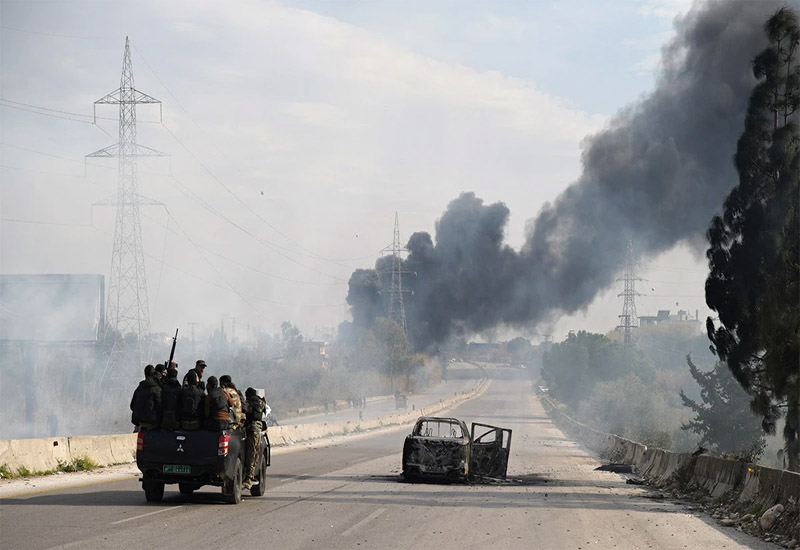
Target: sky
<point x="296" y="130"/>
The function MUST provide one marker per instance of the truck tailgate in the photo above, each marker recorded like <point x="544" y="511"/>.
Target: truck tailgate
<point x="179" y="447"/>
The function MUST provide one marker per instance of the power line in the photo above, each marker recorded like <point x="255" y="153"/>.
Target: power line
<point x="36" y="108"/>
<point x="313" y="254"/>
<point x="173" y="267"/>
<point x="310" y="254"/>
<point x="19" y="147"/>
<point x="36" y="222"/>
<point x="215" y="178"/>
<point x="19" y="108"/>
<point x="228" y="284"/>
<point x="77" y="161"/>
<point x="247" y="232"/>
<point x="254" y="269"/>
<point x="45" y="173"/>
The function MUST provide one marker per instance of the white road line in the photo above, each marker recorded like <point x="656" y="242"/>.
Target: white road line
<point x="364" y="521"/>
<point x="147" y="514"/>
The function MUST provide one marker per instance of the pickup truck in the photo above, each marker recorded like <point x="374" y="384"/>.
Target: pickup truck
<point x="194" y="458"/>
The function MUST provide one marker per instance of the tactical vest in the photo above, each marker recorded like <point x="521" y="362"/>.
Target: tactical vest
<point x="237" y="418"/>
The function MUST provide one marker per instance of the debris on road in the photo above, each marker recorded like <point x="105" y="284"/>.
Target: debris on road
<point x="616" y="468"/>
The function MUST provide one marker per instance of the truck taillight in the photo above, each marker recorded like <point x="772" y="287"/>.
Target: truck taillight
<point x="140" y="441"/>
<point x="222" y="445"/>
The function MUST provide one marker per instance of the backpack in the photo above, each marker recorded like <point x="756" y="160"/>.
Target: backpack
<point x="189" y="403"/>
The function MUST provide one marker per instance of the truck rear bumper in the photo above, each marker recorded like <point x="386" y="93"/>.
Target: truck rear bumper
<point x="197" y="477"/>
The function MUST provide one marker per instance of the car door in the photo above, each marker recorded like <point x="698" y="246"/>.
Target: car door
<point x="490" y="449"/>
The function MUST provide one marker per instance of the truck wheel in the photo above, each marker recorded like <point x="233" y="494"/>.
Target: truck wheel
<point x="232" y="491"/>
<point x="185" y="488"/>
<point x="153" y="490"/>
<point x="260" y="489"/>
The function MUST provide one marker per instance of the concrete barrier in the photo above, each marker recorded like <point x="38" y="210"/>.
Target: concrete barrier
<point x="290" y="434"/>
<point x="104" y="449"/>
<point x="717" y="477"/>
<point x="34" y="454"/>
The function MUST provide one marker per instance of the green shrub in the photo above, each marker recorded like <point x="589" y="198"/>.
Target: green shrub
<point x="65" y="466"/>
<point x="80" y="464"/>
<point x="84" y="463"/>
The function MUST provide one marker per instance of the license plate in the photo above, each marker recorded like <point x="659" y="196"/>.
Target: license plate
<point x="176" y="469"/>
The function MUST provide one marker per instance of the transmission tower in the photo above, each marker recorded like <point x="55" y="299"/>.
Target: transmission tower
<point x="629" y="321"/>
<point x="127" y="306"/>
<point x="397" y="308"/>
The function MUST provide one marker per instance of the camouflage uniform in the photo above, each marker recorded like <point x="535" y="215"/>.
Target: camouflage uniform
<point x="255" y="411"/>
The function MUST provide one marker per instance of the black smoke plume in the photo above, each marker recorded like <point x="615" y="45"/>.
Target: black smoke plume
<point x="654" y="176"/>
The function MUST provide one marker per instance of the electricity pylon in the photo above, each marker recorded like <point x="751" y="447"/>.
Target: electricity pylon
<point x="127" y="305"/>
<point x="629" y="321"/>
<point x="397" y="308"/>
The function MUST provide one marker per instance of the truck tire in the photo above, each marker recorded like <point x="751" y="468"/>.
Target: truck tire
<point x="186" y="489"/>
<point x="232" y="490"/>
<point x="153" y="490"/>
<point x="258" y="490"/>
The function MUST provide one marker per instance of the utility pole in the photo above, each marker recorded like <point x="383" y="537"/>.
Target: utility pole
<point x="397" y="308"/>
<point x="629" y="321"/>
<point x="194" y="351"/>
<point x="127" y="306"/>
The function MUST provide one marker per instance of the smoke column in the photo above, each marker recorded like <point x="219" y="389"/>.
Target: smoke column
<point x="655" y="175"/>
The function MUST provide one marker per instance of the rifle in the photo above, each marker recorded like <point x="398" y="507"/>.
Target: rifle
<point x="172" y="352"/>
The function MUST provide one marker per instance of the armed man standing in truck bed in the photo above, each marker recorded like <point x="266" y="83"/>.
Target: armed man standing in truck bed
<point x="253" y="426"/>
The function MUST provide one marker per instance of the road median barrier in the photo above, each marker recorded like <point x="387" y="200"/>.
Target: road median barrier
<point x="291" y="434"/>
<point x="34" y="455"/>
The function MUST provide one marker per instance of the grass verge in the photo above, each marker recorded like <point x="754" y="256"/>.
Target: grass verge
<point x="80" y="464"/>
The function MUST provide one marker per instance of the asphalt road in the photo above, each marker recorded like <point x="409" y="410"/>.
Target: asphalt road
<point x="350" y="495"/>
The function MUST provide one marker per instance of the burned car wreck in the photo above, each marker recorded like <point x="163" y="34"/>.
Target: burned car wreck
<point x="441" y="448"/>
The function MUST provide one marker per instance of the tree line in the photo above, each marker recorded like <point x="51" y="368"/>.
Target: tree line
<point x="753" y="286"/>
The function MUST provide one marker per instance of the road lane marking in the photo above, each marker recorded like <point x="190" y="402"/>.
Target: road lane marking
<point x="147" y="514"/>
<point x="364" y="521"/>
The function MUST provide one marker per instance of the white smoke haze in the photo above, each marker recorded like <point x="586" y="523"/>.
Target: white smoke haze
<point x="324" y="124"/>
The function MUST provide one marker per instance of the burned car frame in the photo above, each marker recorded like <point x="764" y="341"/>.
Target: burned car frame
<point x="443" y="448"/>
